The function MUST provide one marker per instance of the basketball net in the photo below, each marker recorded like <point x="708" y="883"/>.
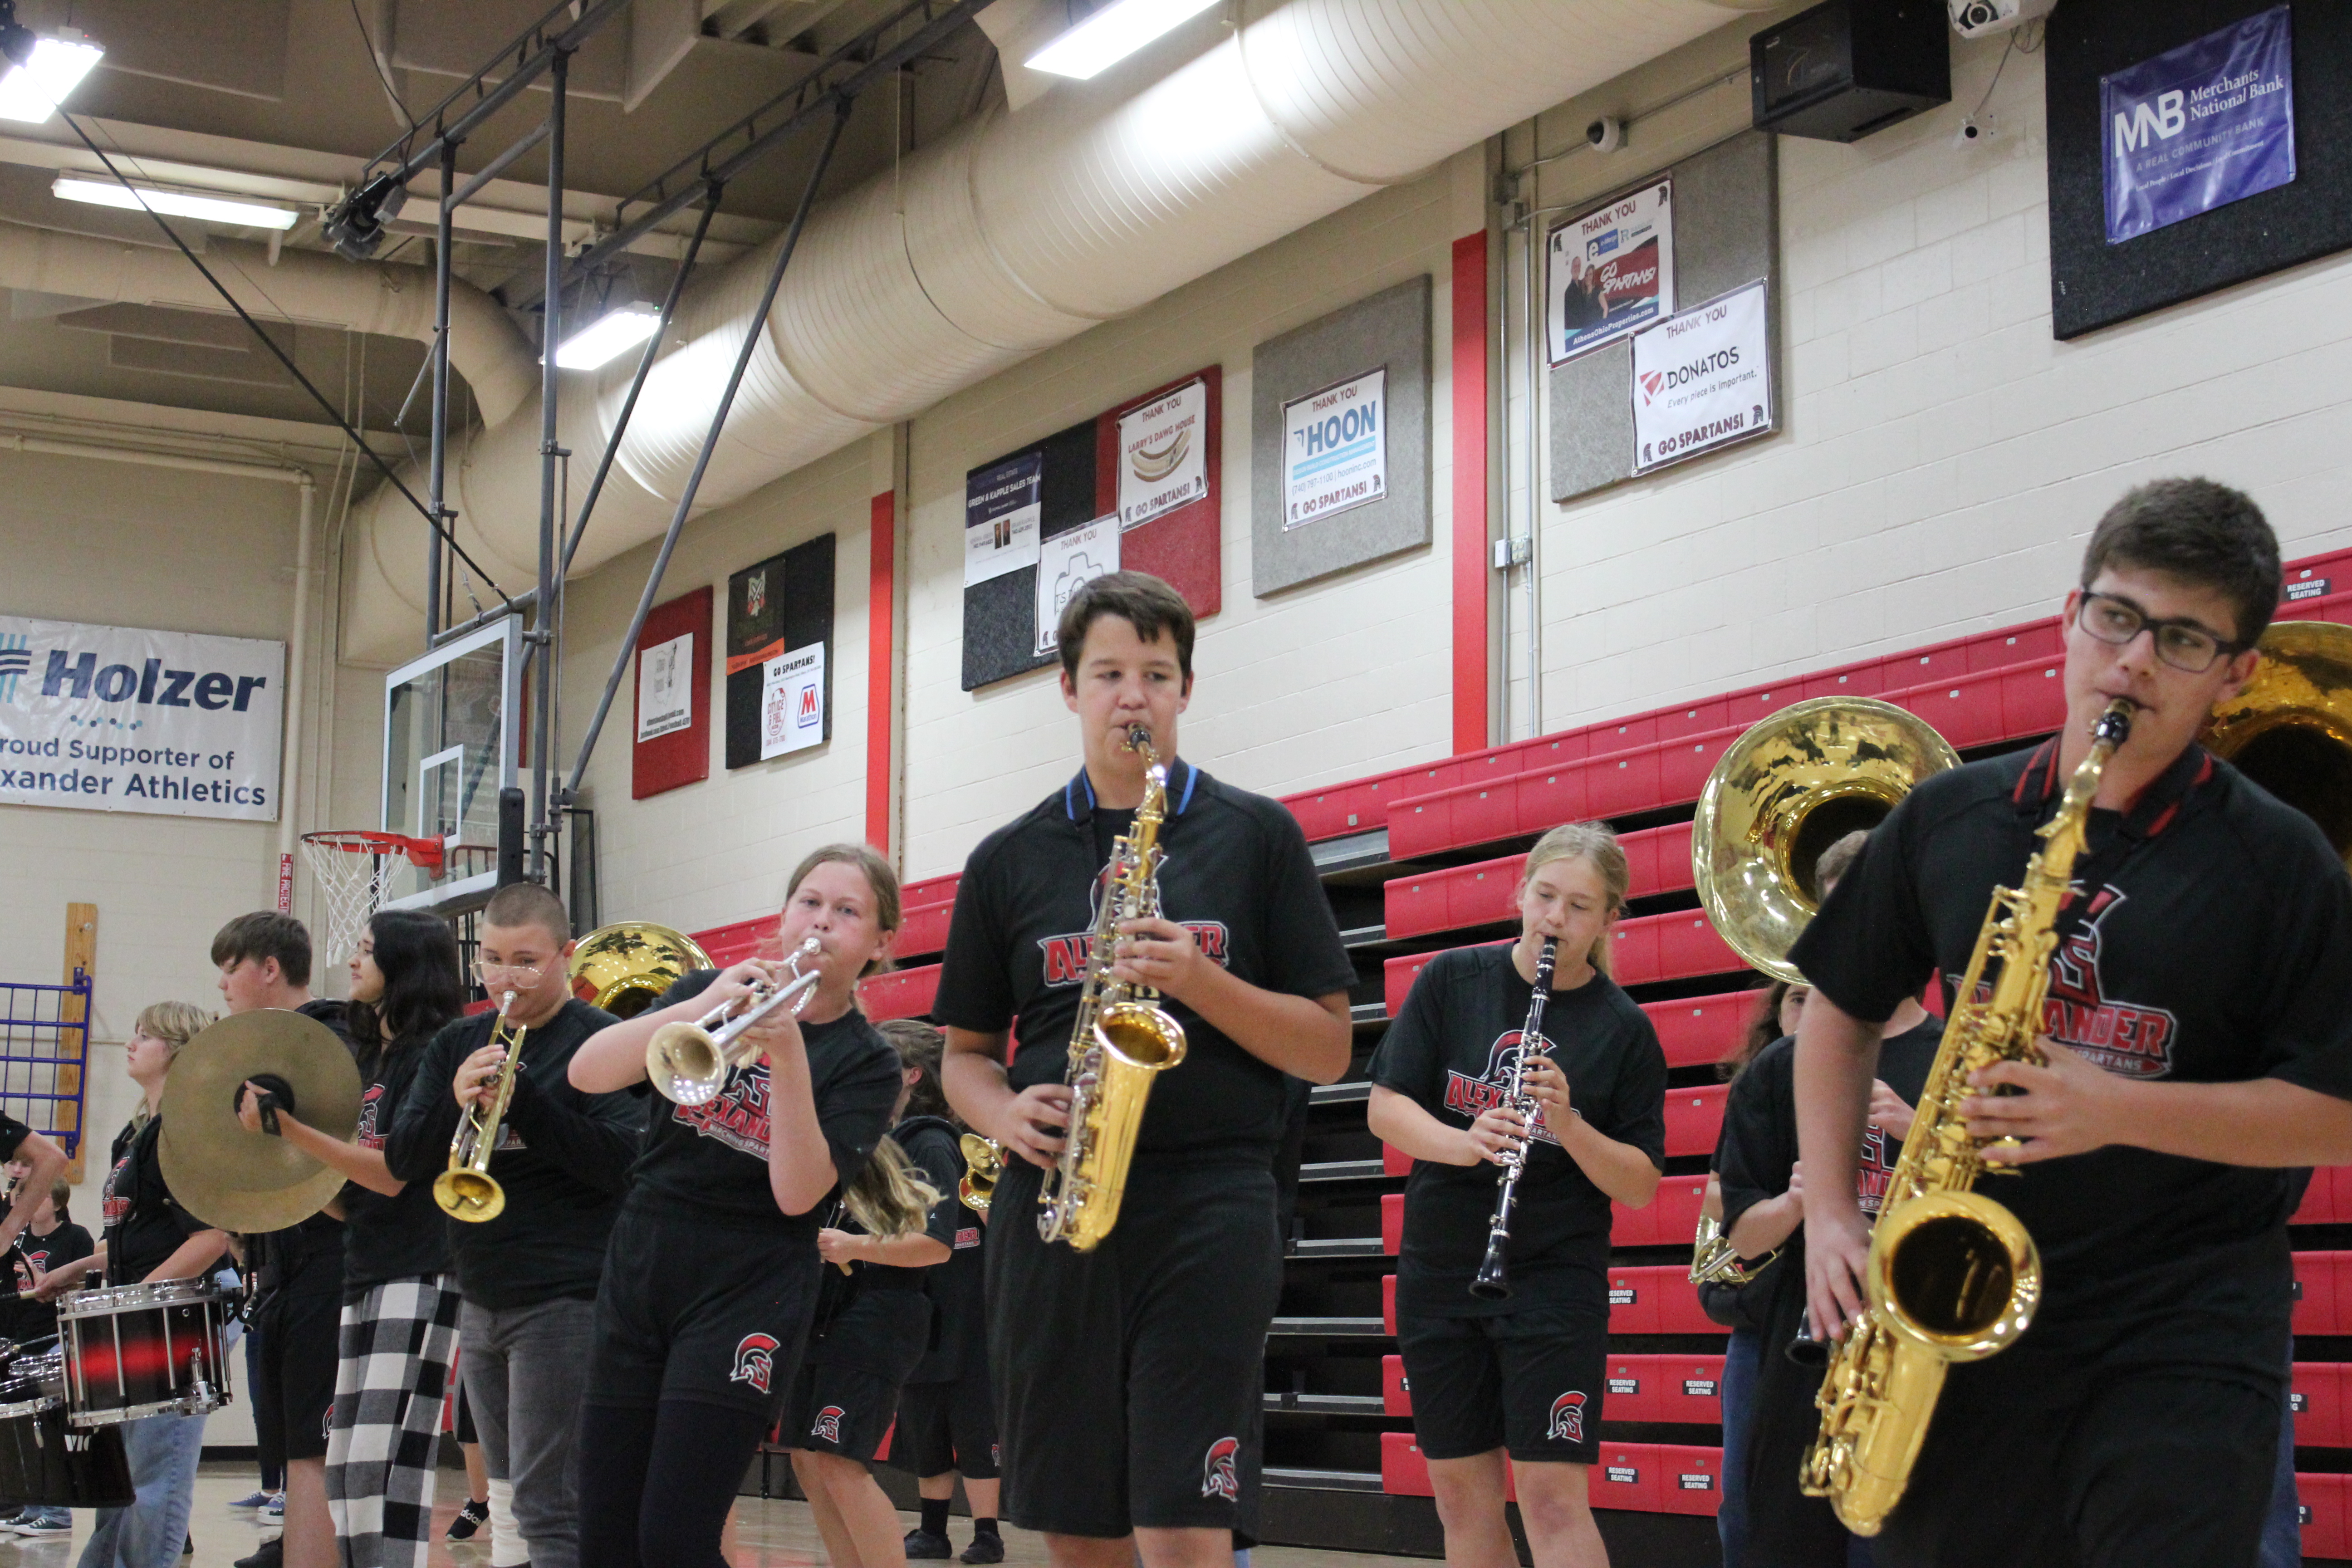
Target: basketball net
<point x="352" y="868"/>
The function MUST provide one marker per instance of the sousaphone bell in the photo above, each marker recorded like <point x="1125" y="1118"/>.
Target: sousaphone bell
<point x="2290" y="731"/>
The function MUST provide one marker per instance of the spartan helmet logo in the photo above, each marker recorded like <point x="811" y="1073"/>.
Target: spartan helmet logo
<point x="1220" y="1475"/>
<point x="827" y="1427"/>
<point x="755" y="1360"/>
<point x="1567" y="1418"/>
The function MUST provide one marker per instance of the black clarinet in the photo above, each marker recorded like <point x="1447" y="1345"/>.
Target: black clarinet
<point x="1494" y="1281"/>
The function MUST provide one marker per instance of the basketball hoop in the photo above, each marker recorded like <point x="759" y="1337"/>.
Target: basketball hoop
<point x="352" y="868"/>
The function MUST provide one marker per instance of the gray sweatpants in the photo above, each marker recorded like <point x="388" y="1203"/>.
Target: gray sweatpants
<point x="525" y="1369"/>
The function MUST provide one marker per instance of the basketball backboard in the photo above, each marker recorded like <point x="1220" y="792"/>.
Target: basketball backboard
<point x="449" y="746"/>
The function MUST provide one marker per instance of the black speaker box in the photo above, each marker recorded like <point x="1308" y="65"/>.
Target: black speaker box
<point x="1846" y="68"/>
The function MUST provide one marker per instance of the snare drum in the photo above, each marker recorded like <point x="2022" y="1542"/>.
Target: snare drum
<point x="134" y="1351"/>
<point x="43" y="1461"/>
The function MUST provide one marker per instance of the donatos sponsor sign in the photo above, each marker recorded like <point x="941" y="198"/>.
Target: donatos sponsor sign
<point x="1702" y="379"/>
<point x="117" y="718"/>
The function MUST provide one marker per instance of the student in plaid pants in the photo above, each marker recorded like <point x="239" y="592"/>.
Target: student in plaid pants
<point x="400" y="1304"/>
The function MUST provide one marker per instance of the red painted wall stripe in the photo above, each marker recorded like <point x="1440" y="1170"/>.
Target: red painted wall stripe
<point x="881" y="648"/>
<point x="1470" y="704"/>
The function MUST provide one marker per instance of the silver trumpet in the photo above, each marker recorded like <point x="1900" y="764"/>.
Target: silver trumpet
<point x="689" y="1062"/>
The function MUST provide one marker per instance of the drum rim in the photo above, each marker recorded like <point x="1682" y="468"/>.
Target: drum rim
<point x="105" y="1301"/>
<point x="187" y="1404"/>
<point x="20" y="1409"/>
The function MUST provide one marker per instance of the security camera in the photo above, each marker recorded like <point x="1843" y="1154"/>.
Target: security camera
<point x="1605" y="134"/>
<point x="1975" y="130"/>
<point x="1976" y="19"/>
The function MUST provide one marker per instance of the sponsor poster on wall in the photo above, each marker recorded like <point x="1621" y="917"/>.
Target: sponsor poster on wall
<point x="791" y="701"/>
<point x="120" y="719"/>
<point x="1609" y="272"/>
<point x="1702" y="379"/>
<point x="673" y="697"/>
<point x="1161" y="455"/>
<point x="777" y="609"/>
<point x="1001" y="506"/>
<point x="665" y="686"/>
<point x="2201" y="126"/>
<point x="1335" y="449"/>
<point x="1071" y="560"/>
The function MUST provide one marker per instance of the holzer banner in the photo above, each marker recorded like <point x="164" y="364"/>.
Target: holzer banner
<point x="119" y="719"/>
<point x="2201" y="126"/>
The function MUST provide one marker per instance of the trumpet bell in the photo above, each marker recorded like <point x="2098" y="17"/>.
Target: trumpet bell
<point x="1795" y="784"/>
<point x="686" y="1064"/>
<point x="470" y="1196"/>
<point x="2290" y="731"/>
<point x="623" y="968"/>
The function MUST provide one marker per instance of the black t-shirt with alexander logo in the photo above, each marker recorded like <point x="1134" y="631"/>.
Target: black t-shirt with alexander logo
<point x="712" y="1159"/>
<point x="563" y="1157"/>
<point x="144" y="1225"/>
<point x="1454" y="1049"/>
<point x="2214" y="946"/>
<point x="28" y="1320"/>
<point x="404" y="1236"/>
<point x="958" y="1289"/>
<point x="1236" y="872"/>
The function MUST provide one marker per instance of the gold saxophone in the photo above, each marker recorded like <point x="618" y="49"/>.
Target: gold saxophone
<point x="1122" y="1040"/>
<point x="1953" y="1276"/>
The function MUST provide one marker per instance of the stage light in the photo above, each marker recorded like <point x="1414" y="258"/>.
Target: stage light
<point x="174" y="204"/>
<point x="355" y="225"/>
<point x="37" y="72"/>
<point x="613" y="332"/>
<point x="1112" y="34"/>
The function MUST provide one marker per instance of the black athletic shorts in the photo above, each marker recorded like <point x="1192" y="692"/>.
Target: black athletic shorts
<point x="946" y="1426"/>
<point x="1530" y="1382"/>
<point x="2093" y="1469"/>
<point x="1130" y="1379"/>
<point x="699" y="1308"/>
<point x="847" y="1392"/>
<point x="294" y="1380"/>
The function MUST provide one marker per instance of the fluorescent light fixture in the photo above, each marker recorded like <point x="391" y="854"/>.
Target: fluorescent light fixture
<point x="1112" y="34"/>
<point x="174" y="204"/>
<point x="35" y="81"/>
<point x="613" y="332"/>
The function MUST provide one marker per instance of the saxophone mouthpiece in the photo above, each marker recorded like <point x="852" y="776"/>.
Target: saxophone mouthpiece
<point x="2115" y="724"/>
<point x="1138" y="737"/>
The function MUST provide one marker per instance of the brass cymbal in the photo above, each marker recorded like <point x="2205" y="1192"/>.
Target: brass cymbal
<point x="249" y="1181"/>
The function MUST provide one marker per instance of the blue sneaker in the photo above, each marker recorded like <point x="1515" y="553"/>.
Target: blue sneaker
<point x="275" y="1509"/>
<point x="253" y="1500"/>
<point x="43" y="1522"/>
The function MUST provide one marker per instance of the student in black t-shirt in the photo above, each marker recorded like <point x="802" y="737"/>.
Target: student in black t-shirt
<point x="1523" y="1374"/>
<point x="399" y="1322"/>
<point x="527" y="1278"/>
<point x="1128" y="1380"/>
<point x="846" y="1396"/>
<point x="947" y="1411"/>
<point x="2197" y="1043"/>
<point x="711" y="1280"/>
<point x="148" y="1238"/>
<point x="1762" y="1183"/>
<point x="50" y="1240"/>
<point x="264" y="961"/>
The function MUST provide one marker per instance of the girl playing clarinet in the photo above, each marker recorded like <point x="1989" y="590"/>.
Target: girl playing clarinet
<point x="1522" y="1372"/>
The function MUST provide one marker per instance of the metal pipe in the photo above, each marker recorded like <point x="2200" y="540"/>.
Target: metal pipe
<point x="516" y="606"/>
<point x="298" y="660"/>
<point x="1536" y="348"/>
<point x="550" y="339"/>
<point x="759" y="326"/>
<point x="440" y="445"/>
<point x="494" y="168"/>
<point x="637" y="385"/>
<point x="525" y="73"/>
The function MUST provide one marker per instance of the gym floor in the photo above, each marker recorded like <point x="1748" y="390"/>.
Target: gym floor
<point x="772" y="1534"/>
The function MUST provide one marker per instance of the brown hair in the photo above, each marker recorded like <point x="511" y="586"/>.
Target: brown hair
<point x="1591" y="841"/>
<point x="2201" y="533"/>
<point x="265" y="935"/>
<point x="1763" y="1028"/>
<point x="880" y="875"/>
<point x="528" y="904"/>
<point x="921" y="1047"/>
<point x="1142" y="601"/>
<point x="1830" y="867"/>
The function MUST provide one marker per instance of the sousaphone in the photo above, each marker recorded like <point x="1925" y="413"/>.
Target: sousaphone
<point x="1795" y="784"/>
<point x="2290" y="731"/>
<point x="623" y="967"/>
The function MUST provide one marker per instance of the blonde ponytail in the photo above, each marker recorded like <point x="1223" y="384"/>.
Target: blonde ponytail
<point x="889" y="1197"/>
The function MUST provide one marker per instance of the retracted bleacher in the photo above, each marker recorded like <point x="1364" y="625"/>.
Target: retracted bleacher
<point x="1423" y="859"/>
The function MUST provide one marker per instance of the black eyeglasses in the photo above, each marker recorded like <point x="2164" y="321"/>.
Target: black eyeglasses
<point x="2185" y="645"/>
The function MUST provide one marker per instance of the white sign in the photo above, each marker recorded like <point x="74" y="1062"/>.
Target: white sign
<point x="665" y="686"/>
<point x="1609" y="272"/>
<point x="1335" y="449"/>
<point x="791" y="701"/>
<point x="116" y="718"/>
<point x="1001" y="504"/>
<point x="1162" y="461"/>
<point x="1069" y="561"/>
<point x="1702" y="379"/>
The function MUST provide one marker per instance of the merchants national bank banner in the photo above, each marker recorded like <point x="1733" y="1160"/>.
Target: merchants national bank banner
<point x="116" y="718"/>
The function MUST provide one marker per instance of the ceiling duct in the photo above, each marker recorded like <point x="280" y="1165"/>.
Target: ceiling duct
<point x="1018" y="231"/>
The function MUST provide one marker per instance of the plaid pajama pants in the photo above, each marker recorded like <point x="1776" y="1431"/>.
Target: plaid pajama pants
<point x="398" y="1343"/>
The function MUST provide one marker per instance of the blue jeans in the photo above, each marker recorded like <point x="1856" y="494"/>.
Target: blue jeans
<point x="2283" y="1531"/>
<point x="163" y="1451"/>
<point x="1740" y="1360"/>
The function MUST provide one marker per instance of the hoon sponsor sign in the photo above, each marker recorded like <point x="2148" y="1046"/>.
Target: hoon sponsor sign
<point x="117" y="718"/>
<point x="1702" y="379"/>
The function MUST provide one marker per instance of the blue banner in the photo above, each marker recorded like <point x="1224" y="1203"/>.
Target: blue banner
<point x="2201" y="126"/>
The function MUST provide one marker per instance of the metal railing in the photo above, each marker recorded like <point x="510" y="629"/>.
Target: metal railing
<point x="45" y="1055"/>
